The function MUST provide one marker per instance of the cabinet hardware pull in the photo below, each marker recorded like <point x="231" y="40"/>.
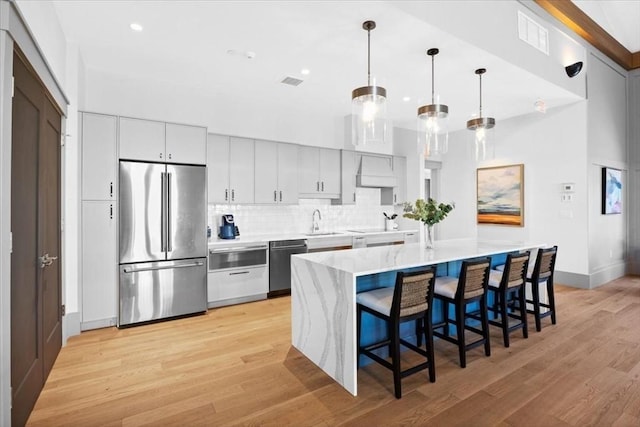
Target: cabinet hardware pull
<point x="110" y="211"/>
<point x="233" y="195"/>
<point x="354" y="196"/>
<point x="275" y="195"/>
<point x="226" y="194"/>
<point x="160" y="155"/>
<point x="317" y="185"/>
<point x="322" y="185"/>
<point x="280" y="195"/>
<point x="111" y="189"/>
<point x="238" y="272"/>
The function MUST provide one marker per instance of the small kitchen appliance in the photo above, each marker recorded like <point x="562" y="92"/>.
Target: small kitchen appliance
<point x="228" y="229"/>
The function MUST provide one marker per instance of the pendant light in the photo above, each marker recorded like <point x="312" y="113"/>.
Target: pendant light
<point x="433" y="132"/>
<point x="481" y="126"/>
<point x="368" y="105"/>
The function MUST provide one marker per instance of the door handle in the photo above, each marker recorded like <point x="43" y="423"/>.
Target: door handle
<point x="322" y="185"/>
<point x="46" y="260"/>
<point x="226" y="194"/>
<point x="169" y="232"/>
<point x="275" y="195"/>
<point x="111" y="189"/>
<point x="280" y="195"/>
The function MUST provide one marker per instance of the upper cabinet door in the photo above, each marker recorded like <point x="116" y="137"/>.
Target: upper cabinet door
<point x="99" y="157"/>
<point x="287" y="173"/>
<point x="400" y="172"/>
<point x="186" y="144"/>
<point x="142" y="140"/>
<point x="241" y="170"/>
<point x="348" y="177"/>
<point x="308" y="170"/>
<point x="330" y="172"/>
<point x="218" y="168"/>
<point x="266" y="172"/>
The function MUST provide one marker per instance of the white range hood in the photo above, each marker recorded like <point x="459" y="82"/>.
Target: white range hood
<point x="375" y="171"/>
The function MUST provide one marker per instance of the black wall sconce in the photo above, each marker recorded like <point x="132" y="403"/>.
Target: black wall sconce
<point x="573" y="69"/>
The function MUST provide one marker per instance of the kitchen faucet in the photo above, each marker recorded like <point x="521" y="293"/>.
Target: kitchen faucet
<point x="314" y="223"/>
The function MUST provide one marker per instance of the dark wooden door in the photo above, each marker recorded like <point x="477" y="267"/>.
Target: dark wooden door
<point x="36" y="317"/>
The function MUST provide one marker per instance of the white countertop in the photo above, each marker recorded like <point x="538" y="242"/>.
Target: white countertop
<point x="215" y="242"/>
<point x="396" y="257"/>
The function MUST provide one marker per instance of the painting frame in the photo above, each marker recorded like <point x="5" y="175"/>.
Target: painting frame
<point x="500" y="195"/>
<point x="611" y="191"/>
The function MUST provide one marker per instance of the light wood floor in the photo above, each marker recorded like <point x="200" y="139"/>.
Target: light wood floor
<point x="236" y="366"/>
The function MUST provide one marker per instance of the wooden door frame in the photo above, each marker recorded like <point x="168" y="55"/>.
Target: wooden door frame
<point x="14" y="32"/>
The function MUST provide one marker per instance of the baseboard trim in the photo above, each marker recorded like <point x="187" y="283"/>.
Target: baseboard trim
<point x="70" y="326"/>
<point x="97" y="324"/>
<point x="593" y="280"/>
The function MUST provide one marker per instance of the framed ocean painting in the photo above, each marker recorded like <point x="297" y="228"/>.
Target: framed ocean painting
<point x="611" y="191"/>
<point x="501" y="195"/>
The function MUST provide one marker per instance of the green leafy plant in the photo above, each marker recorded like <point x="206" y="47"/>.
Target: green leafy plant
<point x="429" y="212"/>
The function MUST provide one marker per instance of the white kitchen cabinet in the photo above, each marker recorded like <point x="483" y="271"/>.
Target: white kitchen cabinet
<point x="230" y="169"/>
<point x="411" y="237"/>
<point x="99" y="163"/>
<point x="153" y="141"/>
<point x="142" y="140"/>
<point x="400" y="172"/>
<point x="319" y="172"/>
<point x="237" y="285"/>
<point x="99" y="264"/>
<point x="186" y="144"/>
<point x="348" y="178"/>
<point x="276" y="173"/>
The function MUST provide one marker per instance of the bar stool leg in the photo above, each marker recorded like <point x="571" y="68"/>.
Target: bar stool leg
<point x="535" y="292"/>
<point x="505" y="318"/>
<point x="523" y="311"/>
<point x="395" y="357"/>
<point x="428" y="331"/>
<point x="552" y="300"/>
<point x="460" y="310"/>
<point x="485" y="325"/>
<point x="358" y="333"/>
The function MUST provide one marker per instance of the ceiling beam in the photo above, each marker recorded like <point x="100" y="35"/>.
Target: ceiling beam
<point x="574" y="18"/>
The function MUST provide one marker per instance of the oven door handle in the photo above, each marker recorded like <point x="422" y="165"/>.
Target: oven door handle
<point x="239" y="249"/>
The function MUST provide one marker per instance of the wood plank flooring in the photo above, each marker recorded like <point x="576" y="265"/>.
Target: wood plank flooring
<point x="236" y="366"/>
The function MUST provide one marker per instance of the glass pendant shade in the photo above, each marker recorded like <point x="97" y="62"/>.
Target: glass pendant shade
<point x="368" y="105"/>
<point x="432" y="125"/>
<point x="368" y="115"/>
<point x="482" y="128"/>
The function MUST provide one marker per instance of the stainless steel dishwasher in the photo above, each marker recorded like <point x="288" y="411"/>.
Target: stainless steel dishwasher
<point x="280" y="264"/>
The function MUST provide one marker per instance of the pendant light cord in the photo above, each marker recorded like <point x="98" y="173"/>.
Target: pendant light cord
<point x="480" y="95"/>
<point x="368" y="57"/>
<point x="432" y="80"/>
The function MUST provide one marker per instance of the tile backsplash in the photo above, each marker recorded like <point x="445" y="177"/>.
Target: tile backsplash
<point x="367" y="213"/>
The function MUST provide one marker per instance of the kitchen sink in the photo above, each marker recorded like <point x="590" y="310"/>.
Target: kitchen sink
<point x="332" y="233"/>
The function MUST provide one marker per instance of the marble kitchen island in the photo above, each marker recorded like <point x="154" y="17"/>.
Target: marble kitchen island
<point x="324" y="286"/>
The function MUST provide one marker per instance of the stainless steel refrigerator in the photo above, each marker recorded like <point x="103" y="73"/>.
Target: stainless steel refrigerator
<point x="163" y="242"/>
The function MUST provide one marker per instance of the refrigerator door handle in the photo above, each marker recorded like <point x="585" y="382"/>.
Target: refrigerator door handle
<point x="169" y="245"/>
<point x="163" y="209"/>
<point x="168" y="267"/>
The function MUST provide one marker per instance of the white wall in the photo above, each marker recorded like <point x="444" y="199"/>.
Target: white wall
<point x="552" y="147"/>
<point x="607" y="130"/>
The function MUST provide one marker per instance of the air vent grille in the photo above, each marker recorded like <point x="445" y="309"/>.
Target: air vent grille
<point x="533" y="33"/>
<point x="291" y="81"/>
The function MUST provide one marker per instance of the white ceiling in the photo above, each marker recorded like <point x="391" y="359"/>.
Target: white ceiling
<point x="187" y="43"/>
<point x="619" y="18"/>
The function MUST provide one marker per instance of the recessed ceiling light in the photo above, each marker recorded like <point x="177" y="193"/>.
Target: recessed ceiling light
<point x="136" y="27"/>
<point x="305" y="71"/>
<point x="406" y="98"/>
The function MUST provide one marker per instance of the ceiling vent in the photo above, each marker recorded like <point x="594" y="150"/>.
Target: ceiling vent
<point x="533" y="33"/>
<point x="291" y="81"/>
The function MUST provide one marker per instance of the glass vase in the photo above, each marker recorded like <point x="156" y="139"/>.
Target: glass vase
<point x="428" y="236"/>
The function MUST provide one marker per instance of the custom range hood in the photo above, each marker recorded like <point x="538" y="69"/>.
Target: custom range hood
<point x="375" y="171"/>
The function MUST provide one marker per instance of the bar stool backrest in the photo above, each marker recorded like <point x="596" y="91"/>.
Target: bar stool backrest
<point x="515" y="270"/>
<point x="413" y="292"/>
<point x="545" y="264"/>
<point x="474" y="278"/>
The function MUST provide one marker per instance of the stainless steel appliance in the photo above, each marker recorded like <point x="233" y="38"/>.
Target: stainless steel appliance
<point x="237" y="274"/>
<point x="228" y="229"/>
<point x="280" y="264"/>
<point x="163" y="241"/>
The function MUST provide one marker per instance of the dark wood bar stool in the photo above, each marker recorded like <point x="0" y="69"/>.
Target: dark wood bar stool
<point x="409" y="300"/>
<point x="469" y="287"/>
<point x="543" y="272"/>
<point x="504" y="284"/>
